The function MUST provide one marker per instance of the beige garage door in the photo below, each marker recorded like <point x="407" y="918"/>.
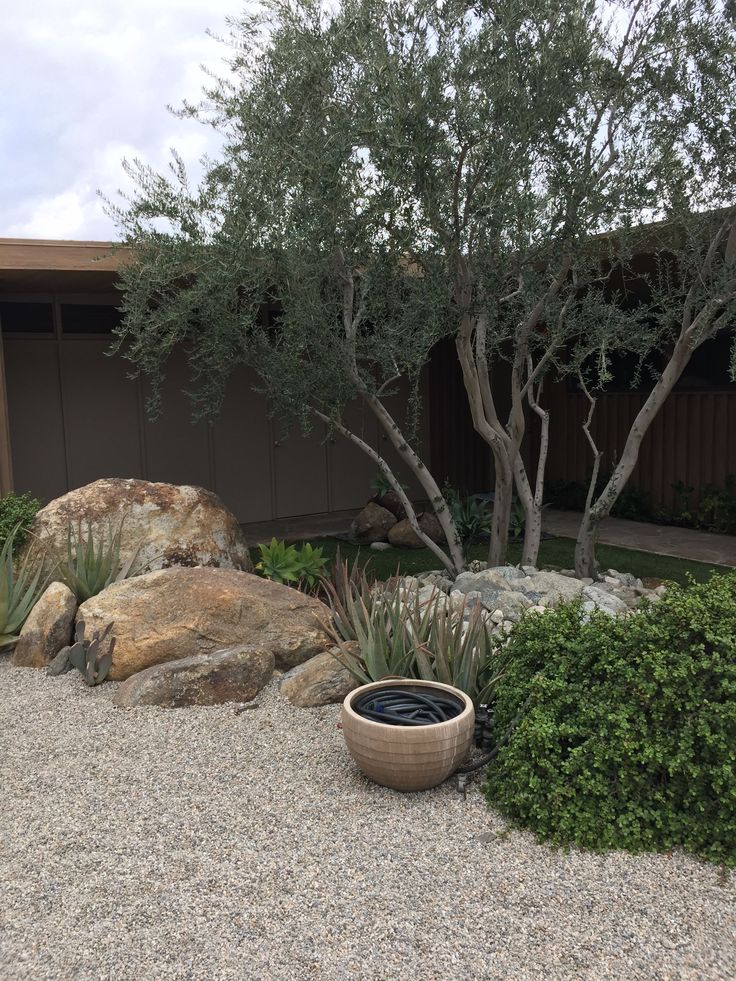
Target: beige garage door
<point x="76" y="416"/>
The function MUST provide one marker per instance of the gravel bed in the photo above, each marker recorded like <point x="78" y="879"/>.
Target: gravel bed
<point x="203" y="843"/>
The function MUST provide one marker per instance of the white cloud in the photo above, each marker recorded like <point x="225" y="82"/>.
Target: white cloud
<point x="86" y="83"/>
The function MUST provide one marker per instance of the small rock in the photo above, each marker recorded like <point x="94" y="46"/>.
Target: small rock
<point x="506" y="572"/>
<point x="608" y="602"/>
<point x="322" y="680"/>
<point x="60" y="664"/>
<point x="402" y="535"/>
<point x="392" y="502"/>
<point x="497" y="616"/>
<point x="381" y="546"/>
<point x="372" y="524"/>
<point x="47" y="629"/>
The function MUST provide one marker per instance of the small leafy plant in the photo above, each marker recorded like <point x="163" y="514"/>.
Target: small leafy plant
<point x="86" y="657"/>
<point x="470" y="515"/>
<point x="92" y="560"/>
<point x="288" y="564"/>
<point x="18" y="593"/>
<point x="517" y="520"/>
<point x="17" y="512"/>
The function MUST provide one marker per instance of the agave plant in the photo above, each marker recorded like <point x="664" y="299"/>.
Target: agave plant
<point x="85" y="655"/>
<point x="18" y="592"/>
<point x="92" y="561"/>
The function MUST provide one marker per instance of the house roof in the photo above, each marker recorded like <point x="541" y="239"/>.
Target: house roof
<point x="33" y="265"/>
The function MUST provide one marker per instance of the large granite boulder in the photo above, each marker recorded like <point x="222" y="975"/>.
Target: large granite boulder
<point x="47" y="629"/>
<point x="322" y="680"/>
<point x="179" y="612"/>
<point x="235" y="675"/>
<point x="372" y="524"/>
<point x="169" y="525"/>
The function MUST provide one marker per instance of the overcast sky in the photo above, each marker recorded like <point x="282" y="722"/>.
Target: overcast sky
<point x="85" y="83"/>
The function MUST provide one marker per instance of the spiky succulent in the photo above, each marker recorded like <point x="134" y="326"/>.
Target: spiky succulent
<point x="19" y="591"/>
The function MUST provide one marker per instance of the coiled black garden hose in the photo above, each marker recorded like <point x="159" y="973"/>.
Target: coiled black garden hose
<point x="403" y="707"/>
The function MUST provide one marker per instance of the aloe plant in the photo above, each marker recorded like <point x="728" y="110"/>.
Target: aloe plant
<point x="18" y="592"/>
<point x="396" y="635"/>
<point x="85" y="655"/>
<point x="347" y="586"/>
<point x="458" y="651"/>
<point x="92" y="562"/>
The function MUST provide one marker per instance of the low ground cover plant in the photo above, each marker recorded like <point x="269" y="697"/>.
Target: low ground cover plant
<point x="471" y="515"/>
<point x="17" y="512"/>
<point x="622" y="732"/>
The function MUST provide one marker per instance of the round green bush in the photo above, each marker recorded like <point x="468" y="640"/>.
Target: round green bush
<point x="17" y="510"/>
<point x="622" y="732"/>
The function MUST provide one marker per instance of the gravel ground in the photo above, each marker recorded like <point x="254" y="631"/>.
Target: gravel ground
<point x="201" y="843"/>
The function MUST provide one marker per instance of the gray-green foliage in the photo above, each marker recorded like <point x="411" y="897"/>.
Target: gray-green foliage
<point x="396" y="170"/>
<point x="397" y="634"/>
<point x="91" y="560"/>
<point x="287" y="215"/>
<point x="19" y="589"/>
<point x="86" y="657"/>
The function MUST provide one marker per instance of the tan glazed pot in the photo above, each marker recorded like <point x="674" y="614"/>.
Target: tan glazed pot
<point x="408" y="757"/>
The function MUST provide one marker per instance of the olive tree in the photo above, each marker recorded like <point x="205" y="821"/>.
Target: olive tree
<point x="530" y="138"/>
<point x="394" y="171"/>
<point x="293" y="214"/>
<point x="690" y="296"/>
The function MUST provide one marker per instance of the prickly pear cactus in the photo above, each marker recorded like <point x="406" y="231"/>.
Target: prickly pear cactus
<point x="86" y="657"/>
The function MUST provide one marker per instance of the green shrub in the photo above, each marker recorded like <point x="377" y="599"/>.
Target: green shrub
<point x="623" y="731"/>
<point x="17" y="511"/>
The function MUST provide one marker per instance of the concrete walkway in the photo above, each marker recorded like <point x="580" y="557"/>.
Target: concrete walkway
<point x="682" y="543"/>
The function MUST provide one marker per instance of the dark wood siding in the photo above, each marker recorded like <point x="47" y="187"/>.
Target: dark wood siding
<point x="693" y="438"/>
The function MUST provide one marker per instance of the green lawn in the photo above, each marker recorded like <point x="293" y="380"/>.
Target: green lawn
<point x="555" y="553"/>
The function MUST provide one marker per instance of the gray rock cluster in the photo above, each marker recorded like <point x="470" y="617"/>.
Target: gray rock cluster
<point x="506" y="593"/>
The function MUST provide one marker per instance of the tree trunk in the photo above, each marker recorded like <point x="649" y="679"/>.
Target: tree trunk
<point x="532" y="536"/>
<point x="586" y="565"/>
<point x="533" y="502"/>
<point x="501" y="514"/>
<point x="425" y="479"/>
<point x="585" y="561"/>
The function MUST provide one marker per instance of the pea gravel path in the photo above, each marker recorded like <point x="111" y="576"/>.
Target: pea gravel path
<point x="202" y="843"/>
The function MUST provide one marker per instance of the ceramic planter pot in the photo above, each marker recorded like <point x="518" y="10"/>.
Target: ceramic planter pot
<point x="408" y="757"/>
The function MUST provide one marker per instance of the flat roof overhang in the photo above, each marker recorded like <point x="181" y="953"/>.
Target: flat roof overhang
<point x="44" y="265"/>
